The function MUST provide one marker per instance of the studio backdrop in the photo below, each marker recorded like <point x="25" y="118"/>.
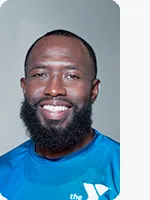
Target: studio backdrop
<point x="23" y="21"/>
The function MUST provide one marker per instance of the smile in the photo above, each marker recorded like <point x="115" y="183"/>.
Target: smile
<point x="53" y="108"/>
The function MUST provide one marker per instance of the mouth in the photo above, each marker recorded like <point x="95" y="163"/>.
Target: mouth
<point x="56" y="110"/>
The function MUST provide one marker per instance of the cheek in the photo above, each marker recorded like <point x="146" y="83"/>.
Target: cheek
<point x="34" y="93"/>
<point x="79" y="94"/>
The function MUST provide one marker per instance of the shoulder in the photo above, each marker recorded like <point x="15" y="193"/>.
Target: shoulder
<point x="108" y="151"/>
<point x="10" y="159"/>
<point x="108" y="144"/>
<point x="109" y="159"/>
<point x="17" y="151"/>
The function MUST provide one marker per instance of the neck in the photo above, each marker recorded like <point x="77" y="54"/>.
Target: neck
<point x="55" y="155"/>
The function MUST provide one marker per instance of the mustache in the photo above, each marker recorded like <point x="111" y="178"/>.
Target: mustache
<point x="54" y="99"/>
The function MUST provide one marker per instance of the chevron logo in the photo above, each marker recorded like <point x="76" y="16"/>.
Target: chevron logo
<point x="94" y="191"/>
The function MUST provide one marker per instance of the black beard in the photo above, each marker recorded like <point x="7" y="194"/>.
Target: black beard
<point x="52" y="137"/>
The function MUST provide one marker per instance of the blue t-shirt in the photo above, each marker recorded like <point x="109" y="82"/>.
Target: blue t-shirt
<point x="91" y="173"/>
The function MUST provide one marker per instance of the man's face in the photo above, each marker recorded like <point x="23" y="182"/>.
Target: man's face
<point x="59" y="80"/>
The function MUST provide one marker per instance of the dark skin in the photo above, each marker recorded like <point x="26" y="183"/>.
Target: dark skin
<point x="60" y="66"/>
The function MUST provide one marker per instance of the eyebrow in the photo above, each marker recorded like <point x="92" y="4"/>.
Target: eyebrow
<point x="72" y="67"/>
<point x="37" y="67"/>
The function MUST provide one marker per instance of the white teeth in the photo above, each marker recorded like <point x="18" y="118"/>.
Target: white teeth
<point x="55" y="108"/>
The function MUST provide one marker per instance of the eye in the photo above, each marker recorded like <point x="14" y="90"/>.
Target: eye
<point x="72" y="76"/>
<point x="39" y="75"/>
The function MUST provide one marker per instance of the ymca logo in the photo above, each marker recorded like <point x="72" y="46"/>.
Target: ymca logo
<point x="93" y="191"/>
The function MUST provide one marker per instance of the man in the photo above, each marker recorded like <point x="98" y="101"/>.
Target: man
<point x="65" y="158"/>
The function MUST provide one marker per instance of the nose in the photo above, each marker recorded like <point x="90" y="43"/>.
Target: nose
<point x="55" y="87"/>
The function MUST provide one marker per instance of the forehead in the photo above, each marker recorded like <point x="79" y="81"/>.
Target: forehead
<point x="60" y="48"/>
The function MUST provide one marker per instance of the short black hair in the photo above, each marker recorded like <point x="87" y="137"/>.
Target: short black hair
<point x="62" y="32"/>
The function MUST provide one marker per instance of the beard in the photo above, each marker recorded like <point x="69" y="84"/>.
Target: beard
<point x="52" y="136"/>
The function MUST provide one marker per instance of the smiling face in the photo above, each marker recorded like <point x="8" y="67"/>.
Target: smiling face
<point x="59" y="80"/>
<point x="59" y="67"/>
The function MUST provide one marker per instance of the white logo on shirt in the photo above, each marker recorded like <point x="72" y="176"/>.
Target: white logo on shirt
<point x="2" y="198"/>
<point x="94" y="190"/>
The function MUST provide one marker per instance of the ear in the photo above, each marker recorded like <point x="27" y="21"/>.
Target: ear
<point x="95" y="89"/>
<point x="23" y="84"/>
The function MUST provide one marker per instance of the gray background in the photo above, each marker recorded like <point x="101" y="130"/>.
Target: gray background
<point x="23" y="21"/>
